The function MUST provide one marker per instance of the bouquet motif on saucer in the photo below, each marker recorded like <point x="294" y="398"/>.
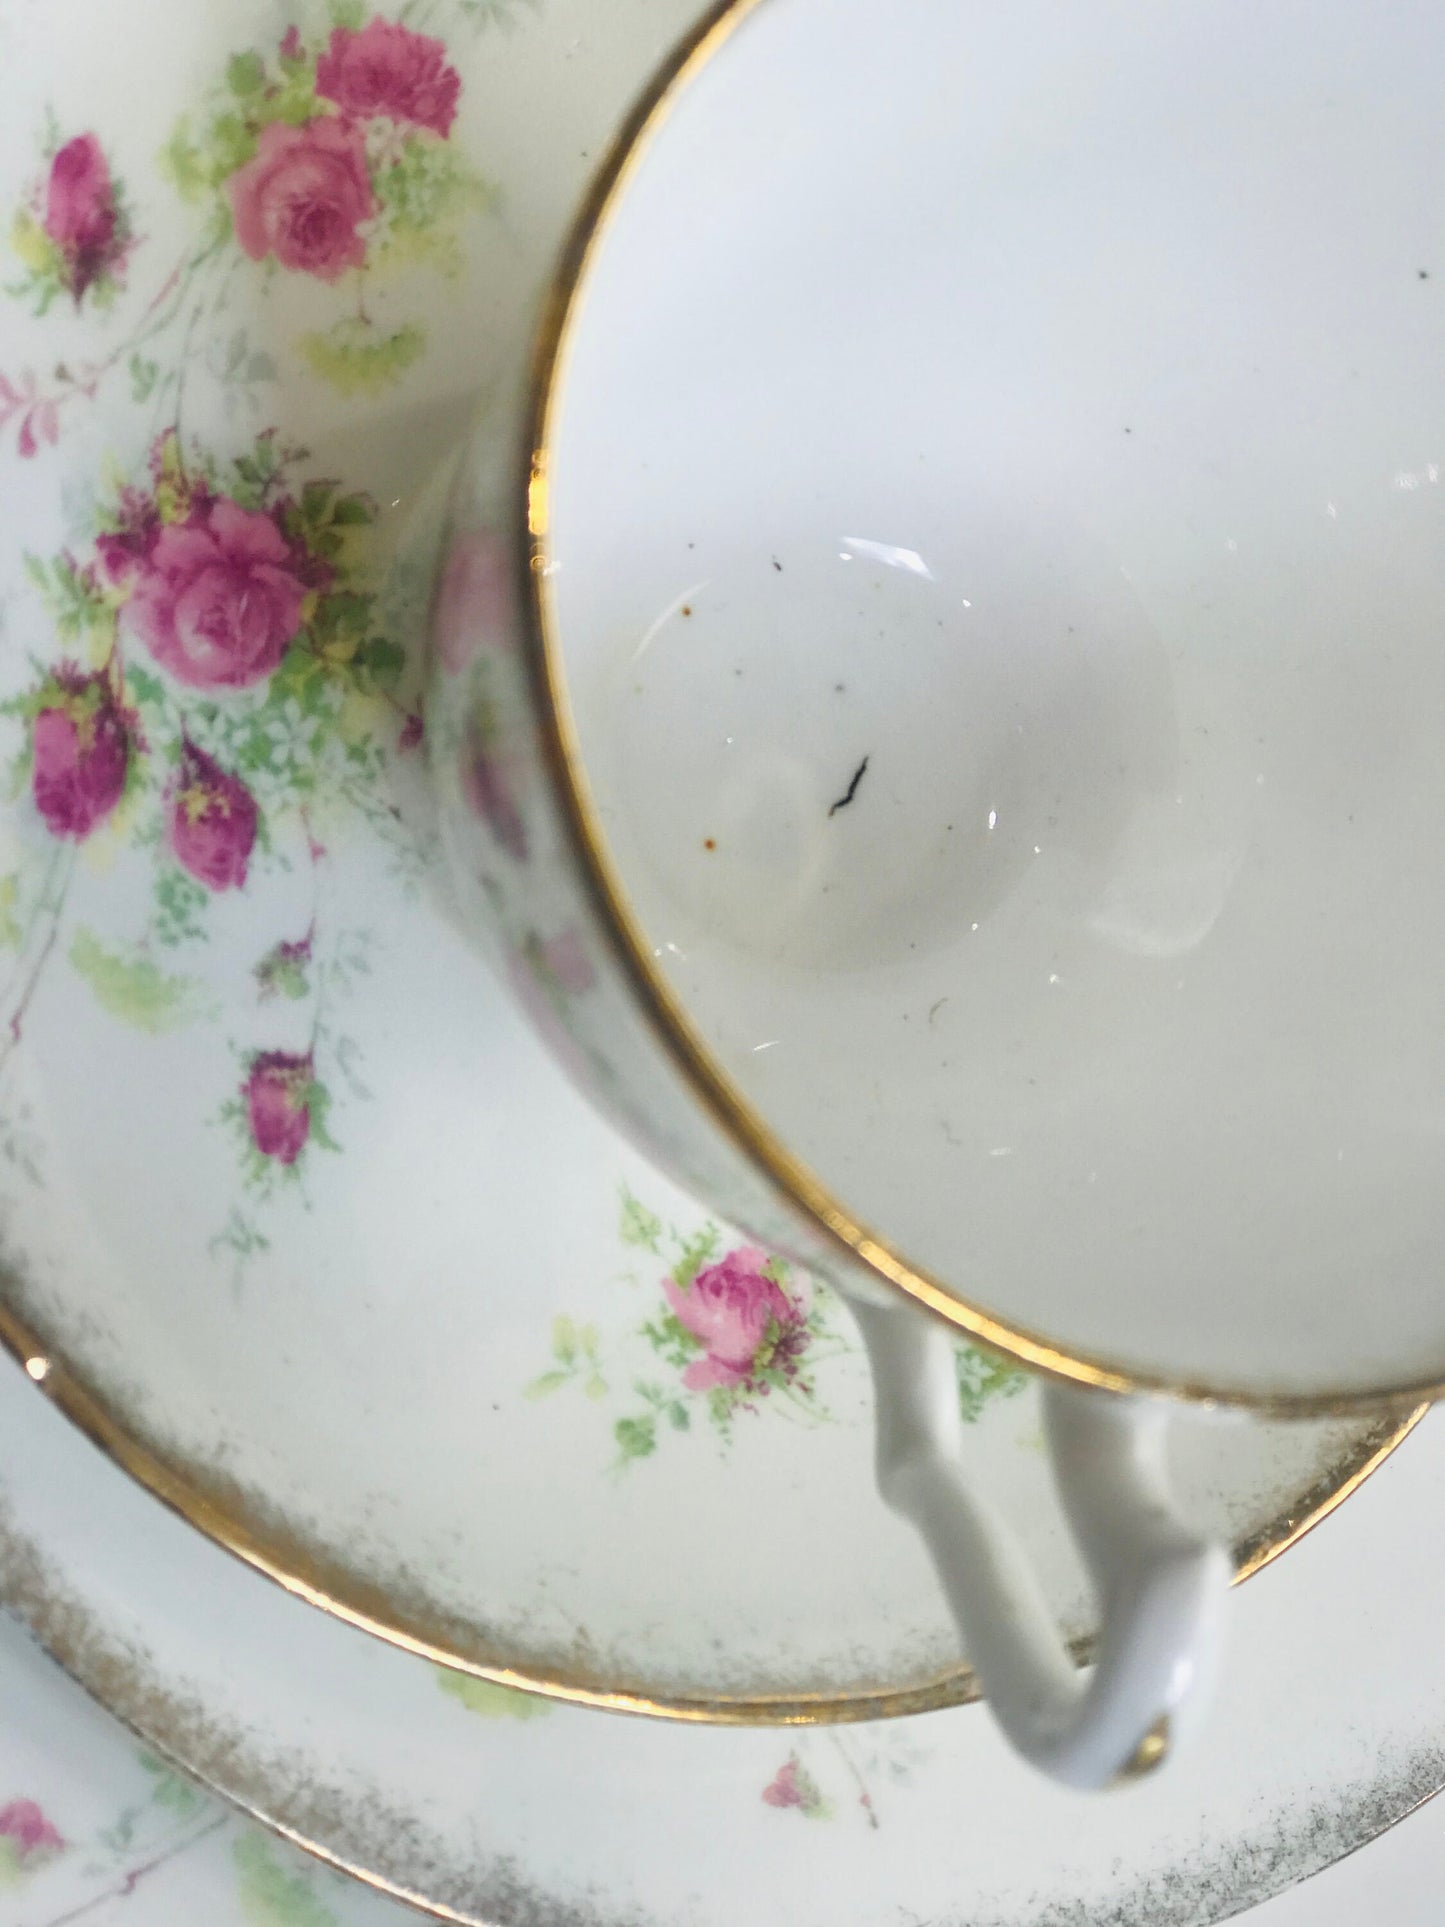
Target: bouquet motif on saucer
<point x="223" y="689"/>
<point x="737" y="1331"/>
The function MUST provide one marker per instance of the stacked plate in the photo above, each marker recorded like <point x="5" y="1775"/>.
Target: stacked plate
<point x="304" y="1229"/>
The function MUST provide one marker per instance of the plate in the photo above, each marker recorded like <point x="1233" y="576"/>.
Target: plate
<point x="484" y="1805"/>
<point x="294" y="1217"/>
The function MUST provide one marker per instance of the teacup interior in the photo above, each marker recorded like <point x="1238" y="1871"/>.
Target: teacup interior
<point x="998" y="540"/>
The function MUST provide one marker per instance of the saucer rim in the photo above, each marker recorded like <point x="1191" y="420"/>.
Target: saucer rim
<point x="238" y="1530"/>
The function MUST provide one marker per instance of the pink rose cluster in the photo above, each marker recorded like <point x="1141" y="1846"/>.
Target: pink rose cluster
<point x="218" y="594"/>
<point x="743" y="1319"/>
<point x="308" y="191"/>
<point x="81" y="216"/>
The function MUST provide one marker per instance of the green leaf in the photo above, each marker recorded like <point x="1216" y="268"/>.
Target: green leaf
<point x="639" y="1226"/>
<point x="143" y="376"/>
<point x="346" y="13"/>
<point x="272" y="1895"/>
<point x="135" y="989"/>
<point x="182" y="165"/>
<point x="982" y="1377"/>
<point x="245" y="74"/>
<point x="315" y="500"/>
<point x="596" y="1387"/>
<point x="232" y="144"/>
<point x="353" y="510"/>
<point x="544" y="1386"/>
<point x="636" y="1438"/>
<point x="318" y="1106"/>
<point x="379" y="662"/>
<point x="564" y="1339"/>
<point x="491" y="1699"/>
<point x="697" y="1251"/>
<point x="680" y="1417"/>
<point x="170" y="1789"/>
<point x="142" y="687"/>
<point x="356" y="359"/>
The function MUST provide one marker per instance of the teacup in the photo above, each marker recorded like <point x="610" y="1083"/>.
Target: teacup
<point x="937" y="716"/>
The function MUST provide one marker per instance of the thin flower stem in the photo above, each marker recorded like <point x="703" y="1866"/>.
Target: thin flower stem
<point x="865" y="1798"/>
<point x="124" y="1888"/>
<point x="57" y="886"/>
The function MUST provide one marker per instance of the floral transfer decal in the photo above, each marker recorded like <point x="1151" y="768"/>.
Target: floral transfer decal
<point x="73" y="236"/>
<point x="165" y="1825"/>
<point x="854" y="1767"/>
<point x="28" y="1842"/>
<point x="738" y="1332"/>
<point x="222" y="684"/>
<point x="329" y="153"/>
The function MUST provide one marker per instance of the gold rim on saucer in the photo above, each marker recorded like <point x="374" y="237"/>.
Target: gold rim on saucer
<point x="237" y="1525"/>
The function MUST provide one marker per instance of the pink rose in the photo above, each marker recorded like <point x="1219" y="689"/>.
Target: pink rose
<point x="488" y="781"/>
<point x="742" y="1317"/>
<point x="81" y="217"/>
<point x="28" y="1833"/>
<point x="387" y="69"/>
<point x="211" y="825"/>
<point x="565" y="961"/>
<point x="277" y="1091"/>
<point x="303" y="195"/>
<point x="217" y="598"/>
<point x="783" y="1790"/>
<point x="474" y="604"/>
<point x="80" y="744"/>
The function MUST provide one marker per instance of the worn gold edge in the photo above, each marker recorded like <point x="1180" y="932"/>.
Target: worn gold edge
<point x="788" y="1176"/>
<point x="160" y="1732"/>
<point x="303" y="1578"/>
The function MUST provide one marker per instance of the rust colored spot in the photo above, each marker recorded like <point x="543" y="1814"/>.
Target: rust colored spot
<point x="687" y="608"/>
<point x="709" y="843"/>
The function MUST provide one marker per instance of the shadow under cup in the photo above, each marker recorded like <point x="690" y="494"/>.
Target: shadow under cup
<point x="999" y="575"/>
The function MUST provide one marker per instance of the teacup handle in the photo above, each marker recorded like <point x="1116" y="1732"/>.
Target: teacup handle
<point x="1160" y="1583"/>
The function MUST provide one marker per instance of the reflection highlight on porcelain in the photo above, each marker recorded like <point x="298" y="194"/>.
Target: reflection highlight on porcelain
<point x="1031" y="781"/>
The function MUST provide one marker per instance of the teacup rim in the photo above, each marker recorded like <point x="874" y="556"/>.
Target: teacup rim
<point x="789" y="1177"/>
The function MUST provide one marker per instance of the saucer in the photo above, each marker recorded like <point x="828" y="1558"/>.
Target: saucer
<point x="296" y="1218"/>
<point x="482" y="1805"/>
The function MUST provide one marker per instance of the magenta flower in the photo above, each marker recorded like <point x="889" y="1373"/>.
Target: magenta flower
<point x="81" y="742"/>
<point x="82" y="218"/>
<point x="388" y="69"/>
<point x="27" y="1834"/>
<point x="564" y="959"/>
<point x="278" y="1091"/>
<point x="783" y="1790"/>
<point x="474" y="604"/>
<point x="742" y="1318"/>
<point x="211" y="822"/>
<point x="217" y="599"/>
<point x="290" y="48"/>
<point x="303" y="195"/>
<point x="487" y="784"/>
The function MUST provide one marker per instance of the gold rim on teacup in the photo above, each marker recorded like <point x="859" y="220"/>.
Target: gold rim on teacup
<point x="709" y="1083"/>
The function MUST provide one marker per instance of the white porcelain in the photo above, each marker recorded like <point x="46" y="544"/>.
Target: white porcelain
<point x="961" y="716"/>
<point x="294" y="1212"/>
<point x="482" y="1806"/>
